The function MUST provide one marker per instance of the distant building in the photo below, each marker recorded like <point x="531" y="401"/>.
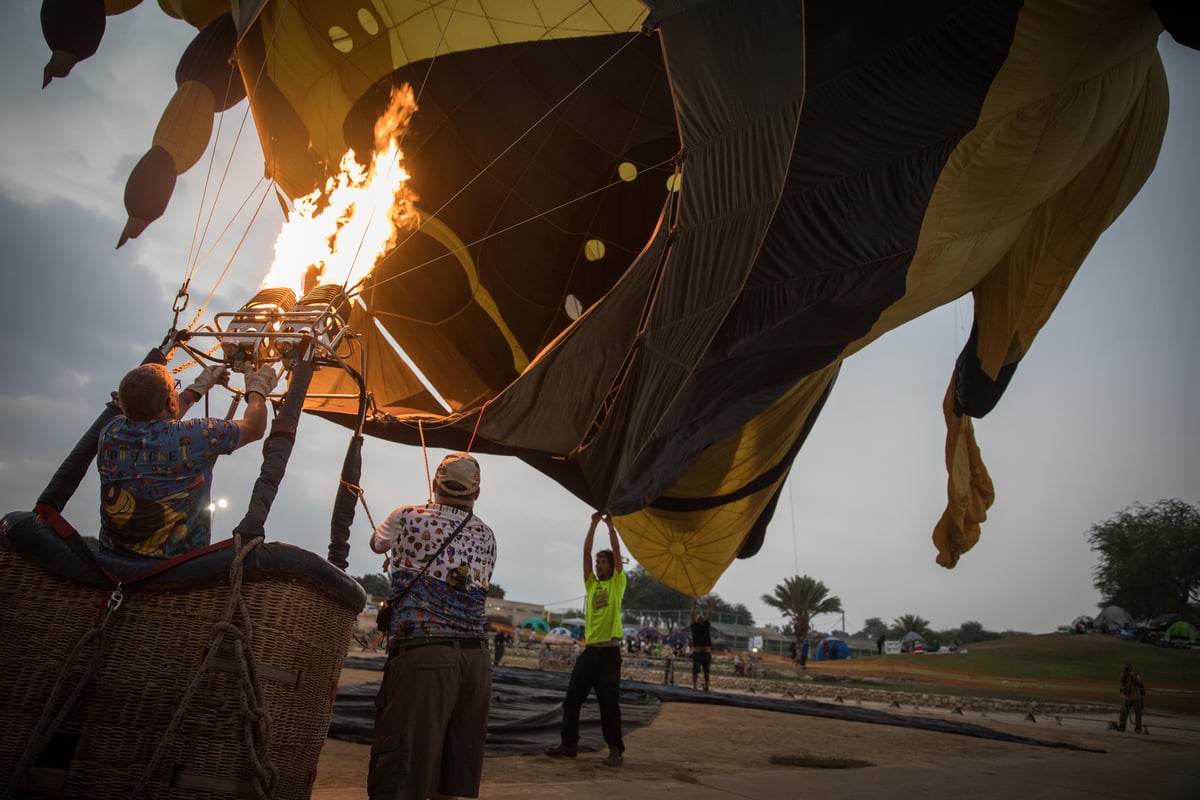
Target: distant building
<point x="514" y="611"/>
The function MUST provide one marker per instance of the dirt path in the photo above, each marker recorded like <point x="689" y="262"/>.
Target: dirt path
<point x="689" y="740"/>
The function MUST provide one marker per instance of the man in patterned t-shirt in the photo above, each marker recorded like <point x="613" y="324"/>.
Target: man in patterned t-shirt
<point x="156" y="470"/>
<point x="432" y="710"/>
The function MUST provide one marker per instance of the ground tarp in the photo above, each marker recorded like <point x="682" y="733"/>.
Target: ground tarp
<point x="525" y="715"/>
<point x="526" y="711"/>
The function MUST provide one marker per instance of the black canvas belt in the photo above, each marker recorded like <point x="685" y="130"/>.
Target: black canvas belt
<point x="466" y="644"/>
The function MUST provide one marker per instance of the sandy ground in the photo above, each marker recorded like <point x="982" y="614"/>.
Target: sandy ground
<point x="687" y="741"/>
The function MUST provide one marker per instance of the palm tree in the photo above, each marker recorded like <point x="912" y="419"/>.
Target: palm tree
<point x="800" y="598"/>
<point x="910" y="622"/>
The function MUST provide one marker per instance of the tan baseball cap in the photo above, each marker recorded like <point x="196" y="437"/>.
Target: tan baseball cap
<point x="457" y="475"/>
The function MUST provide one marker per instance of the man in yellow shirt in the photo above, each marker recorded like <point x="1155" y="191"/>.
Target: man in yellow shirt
<point x="599" y="665"/>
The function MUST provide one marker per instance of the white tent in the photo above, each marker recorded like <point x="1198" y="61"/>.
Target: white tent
<point x="1113" y="618"/>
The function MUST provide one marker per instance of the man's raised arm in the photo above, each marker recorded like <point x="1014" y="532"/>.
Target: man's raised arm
<point x="587" y="546"/>
<point x="614" y="544"/>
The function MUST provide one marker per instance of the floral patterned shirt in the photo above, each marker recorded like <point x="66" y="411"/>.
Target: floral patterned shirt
<point x="449" y="600"/>
<point x="155" y="483"/>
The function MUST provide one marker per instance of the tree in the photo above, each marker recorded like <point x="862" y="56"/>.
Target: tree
<point x="495" y="590"/>
<point x="1149" y="559"/>
<point x="873" y="628"/>
<point x="910" y="622"/>
<point x="650" y="601"/>
<point x="741" y="614"/>
<point x="800" y="598"/>
<point x="644" y="591"/>
<point x="375" y="584"/>
<point x="970" y="631"/>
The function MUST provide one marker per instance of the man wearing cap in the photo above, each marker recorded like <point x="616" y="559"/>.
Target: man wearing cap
<point x="432" y="710"/>
<point x="598" y="667"/>
<point x="156" y="470"/>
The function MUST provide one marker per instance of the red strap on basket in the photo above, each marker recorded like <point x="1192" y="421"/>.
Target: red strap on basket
<point x="373" y="642"/>
<point x="65" y="530"/>
<point x="55" y="520"/>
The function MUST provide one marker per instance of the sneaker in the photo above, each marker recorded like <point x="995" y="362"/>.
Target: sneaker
<point x="561" y="751"/>
<point x="615" y="759"/>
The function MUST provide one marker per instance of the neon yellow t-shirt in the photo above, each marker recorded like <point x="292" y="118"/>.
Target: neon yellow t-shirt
<point x="604" y="608"/>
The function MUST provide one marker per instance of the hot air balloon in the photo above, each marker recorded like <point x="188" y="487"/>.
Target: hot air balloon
<point x="650" y="233"/>
<point x="647" y="236"/>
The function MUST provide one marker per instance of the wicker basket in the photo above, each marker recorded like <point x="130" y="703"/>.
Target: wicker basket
<point x="302" y="610"/>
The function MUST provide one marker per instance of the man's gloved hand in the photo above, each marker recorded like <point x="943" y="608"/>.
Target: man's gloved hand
<point x="262" y="380"/>
<point x="208" y="378"/>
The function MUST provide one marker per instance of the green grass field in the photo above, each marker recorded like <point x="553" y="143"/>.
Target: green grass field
<point x="1048" y="667"/>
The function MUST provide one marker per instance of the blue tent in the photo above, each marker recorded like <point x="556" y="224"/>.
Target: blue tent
<point x="675" y="638"/>
<point x="831" y="649"/>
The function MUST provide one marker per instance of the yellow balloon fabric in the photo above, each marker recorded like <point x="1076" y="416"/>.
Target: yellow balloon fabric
<point x="186" y="124"/>
<point x="1069" y="132"/>
<point x="689" y="550"/>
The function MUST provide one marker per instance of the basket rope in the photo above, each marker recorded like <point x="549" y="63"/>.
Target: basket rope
<point x="256" y="720"/>
<point x="45" y="727"/>
<point x="361" y="494"/>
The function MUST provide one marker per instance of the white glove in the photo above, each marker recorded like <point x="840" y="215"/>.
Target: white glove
<point x="262" y="380"/>
<point x="208" y="378"/>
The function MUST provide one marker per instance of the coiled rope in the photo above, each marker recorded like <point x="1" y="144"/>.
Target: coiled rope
<point x="234" y="631"/>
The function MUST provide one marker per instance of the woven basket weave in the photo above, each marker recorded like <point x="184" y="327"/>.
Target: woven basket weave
<point x="152" y="648"/>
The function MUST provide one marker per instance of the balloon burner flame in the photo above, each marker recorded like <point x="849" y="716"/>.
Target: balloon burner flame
<point x="338" y="233"/>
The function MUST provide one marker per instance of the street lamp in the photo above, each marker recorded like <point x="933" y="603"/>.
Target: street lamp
<point x="212" y="511"/>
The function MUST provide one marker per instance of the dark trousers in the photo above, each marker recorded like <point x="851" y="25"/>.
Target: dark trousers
<point x="1136" y="705"/>
<point x="597" y="668"/>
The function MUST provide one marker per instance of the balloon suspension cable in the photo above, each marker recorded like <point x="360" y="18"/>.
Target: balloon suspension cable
<point x="196" y="243"/>
<point x="198" y="236"/>
<point x="425" y="455"/>
<point x="194" y="259"/>
<point x="478" y="420"/>
<point x="229" y="262"/>
<point x="172" y="339"/>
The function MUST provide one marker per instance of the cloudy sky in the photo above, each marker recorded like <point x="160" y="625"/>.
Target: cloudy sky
<point x="1100" y="415"/>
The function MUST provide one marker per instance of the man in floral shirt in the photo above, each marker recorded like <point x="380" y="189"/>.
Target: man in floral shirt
<point x="431" y="713"/>
<point x="156" y="470"/>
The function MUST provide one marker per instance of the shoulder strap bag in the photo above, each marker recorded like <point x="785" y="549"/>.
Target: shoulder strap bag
<point x="384" y="621"/>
